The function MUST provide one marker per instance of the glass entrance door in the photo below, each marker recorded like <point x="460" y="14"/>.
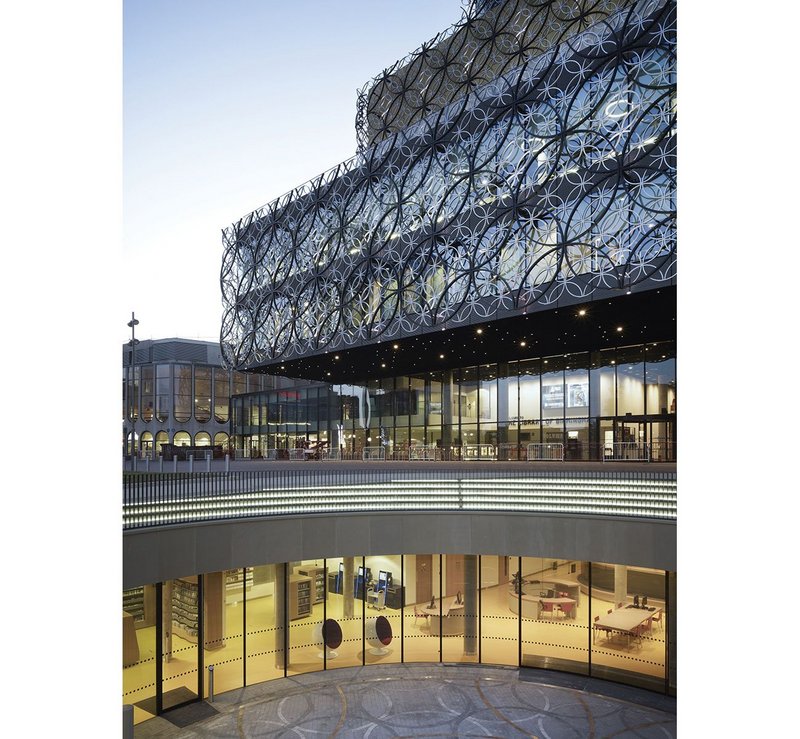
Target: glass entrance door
<point x="662" y="436"/>
<point x="181" y="613"/>
<point x="631" y="439"/>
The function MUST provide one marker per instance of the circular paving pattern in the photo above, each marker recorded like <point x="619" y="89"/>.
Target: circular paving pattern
<point x="428" y="701"/>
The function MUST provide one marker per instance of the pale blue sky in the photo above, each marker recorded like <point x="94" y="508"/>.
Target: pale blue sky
<point x="228" y="105"/>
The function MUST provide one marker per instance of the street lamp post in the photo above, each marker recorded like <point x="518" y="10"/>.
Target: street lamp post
<point x="132" y="324"/>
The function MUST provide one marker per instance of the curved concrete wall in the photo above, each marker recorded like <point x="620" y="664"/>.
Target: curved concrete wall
<point x="156" y="555"/>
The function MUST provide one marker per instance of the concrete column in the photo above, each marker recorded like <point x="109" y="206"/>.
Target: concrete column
<point x="620" y="584"/>
<point x="447" y="409"/>
<point x="279" y="598"/>
<point x="502" y="403"/>
<point x="348" y="583"/>
<point x="470" y="604"/>
<point x="166" y="620"/>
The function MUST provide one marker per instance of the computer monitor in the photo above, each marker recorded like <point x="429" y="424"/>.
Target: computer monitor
<point x="644" y="601"/>
<point x="382" y="580"/>
<point x="551" y="593"/>
<point x="635" y="601"/>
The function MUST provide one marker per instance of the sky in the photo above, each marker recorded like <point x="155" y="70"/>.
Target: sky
<point x="227" y="106"/>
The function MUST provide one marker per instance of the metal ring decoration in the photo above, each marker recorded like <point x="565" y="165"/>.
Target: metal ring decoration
<point x="551" y="179"/>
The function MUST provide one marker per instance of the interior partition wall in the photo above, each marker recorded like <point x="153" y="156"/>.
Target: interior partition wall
<point x="272" y="620"/>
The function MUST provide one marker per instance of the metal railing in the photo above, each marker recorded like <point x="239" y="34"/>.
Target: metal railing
<point x="373" y="453"/>
<point x="626" y="451"/>
<point x="168" y="499"/>
<point x="659" y="451"/>
<point x="422" y="453"/>
<point x="546" y="452"/>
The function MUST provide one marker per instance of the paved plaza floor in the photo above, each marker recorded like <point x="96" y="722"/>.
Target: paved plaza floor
<point x="425" y="700"/>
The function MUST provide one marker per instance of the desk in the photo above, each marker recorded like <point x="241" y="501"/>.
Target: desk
<point x="625" y="620"/>
<point x="452" y="617"/>
<point x="530" y="604"/>
<point x="571" y="587"/>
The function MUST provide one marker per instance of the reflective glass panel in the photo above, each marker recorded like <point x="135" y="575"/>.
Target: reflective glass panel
<point x="421" y="614"/>
<point x="498" y="629"/>
<point x="264" y="628"/>
<point x="139" y="651"/>
<point x="554" y="615"/>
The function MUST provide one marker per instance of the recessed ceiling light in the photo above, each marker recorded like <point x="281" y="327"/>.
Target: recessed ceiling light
<point x="441" y="356"/>
<point x="396" y="346"/>
<point x="382" y="364"/>
<point x="480" y="331"/>
<point x="619" y="328"/>
<point x="582" y="312"/>
<point x="522" y="343"/>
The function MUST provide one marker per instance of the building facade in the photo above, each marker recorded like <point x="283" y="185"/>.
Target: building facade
<point x="489" y="283"/>
<point x="176" y="391"/>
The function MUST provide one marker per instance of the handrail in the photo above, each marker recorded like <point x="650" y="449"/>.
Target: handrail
<point x="168" y="499"/>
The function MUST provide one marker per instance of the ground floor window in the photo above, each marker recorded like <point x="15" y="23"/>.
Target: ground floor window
<point x="275" y="620"/>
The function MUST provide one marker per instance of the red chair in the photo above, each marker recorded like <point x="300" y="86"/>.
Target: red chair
<point x="546" y="608"/>
<point x="566" y="609"/>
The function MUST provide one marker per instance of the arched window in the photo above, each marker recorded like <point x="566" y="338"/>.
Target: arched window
<point x="182" y="438"/>
<point x="147" y="443"/>
<point x="132" y="443"/>
<point x="161" y="438"/>
<point x="221" y="439"/>
<point x="202" y="438"/>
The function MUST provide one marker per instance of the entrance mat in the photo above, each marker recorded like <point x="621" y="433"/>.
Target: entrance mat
<point x="189" y="714"/>
<point x="183" y="715"/>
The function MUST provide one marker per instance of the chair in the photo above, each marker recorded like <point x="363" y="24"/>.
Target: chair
<point x="597" y="628"/>
<point x="420" y="614"/>
<point x="566" y="609"/>
<point x="546" y="608"/>
<point x="620" y="605"/>
<point x="610" y="610"/>
<point x="657" y="619"/>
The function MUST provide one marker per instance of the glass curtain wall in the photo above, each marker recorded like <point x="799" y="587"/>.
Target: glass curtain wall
<point x="554" y="630"/>
<point x="421" y="615"/>
<point x="383" y="610"/>
<point x="182" y="624"/>
<point x="139" y="657"/>
<point x="580" y="406"/>
<point x="607" y="620"/>
<point x="264" y="631"/>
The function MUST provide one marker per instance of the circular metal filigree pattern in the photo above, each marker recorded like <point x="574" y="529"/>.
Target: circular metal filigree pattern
<point x="552" y="180"/>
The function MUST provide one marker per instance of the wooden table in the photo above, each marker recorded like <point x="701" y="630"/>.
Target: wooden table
<point x="625" y="620"/>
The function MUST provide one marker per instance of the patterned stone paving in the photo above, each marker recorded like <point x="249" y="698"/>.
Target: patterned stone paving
<point x="430" y="701"/>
